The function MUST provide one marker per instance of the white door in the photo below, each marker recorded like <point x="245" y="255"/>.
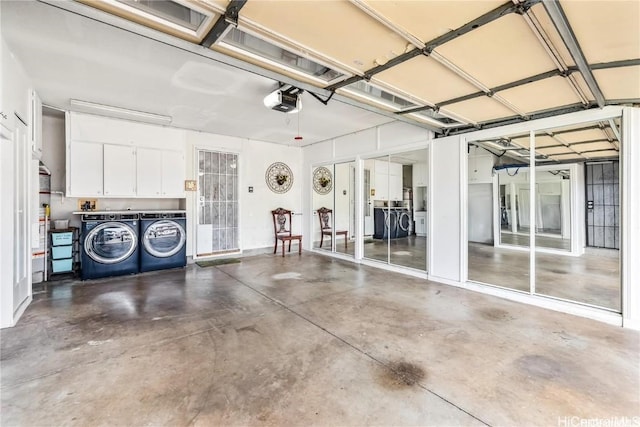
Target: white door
<point x="22" y="256"/>
<point x="218" y="212"/>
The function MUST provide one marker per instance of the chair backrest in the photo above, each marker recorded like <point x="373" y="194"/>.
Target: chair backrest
<point x="324" y="215"/>
<point x="281" y="221"/>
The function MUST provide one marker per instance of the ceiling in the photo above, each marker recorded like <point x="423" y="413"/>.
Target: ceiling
<point x="450" y="66"/>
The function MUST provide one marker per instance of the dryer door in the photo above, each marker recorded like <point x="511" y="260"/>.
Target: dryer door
<point x="111" y="242"/>
<point x="404" y="221"/>
<point x="164" y="238"/>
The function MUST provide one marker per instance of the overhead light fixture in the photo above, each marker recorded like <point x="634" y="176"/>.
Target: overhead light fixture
<point x="118" y="112"/>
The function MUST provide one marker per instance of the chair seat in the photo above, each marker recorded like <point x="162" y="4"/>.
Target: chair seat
<point x="288" y="238"/>
<point x="294" y="237"/>
<point x="328" y="232"/>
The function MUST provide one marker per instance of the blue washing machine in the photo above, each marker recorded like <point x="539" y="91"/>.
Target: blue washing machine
<point x="163" y="240"/>
<point x="109" y="245"/>
<point x="384" y="223"/>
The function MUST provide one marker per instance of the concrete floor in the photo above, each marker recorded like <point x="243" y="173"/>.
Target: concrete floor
<point x="592" y="278"/>
<point x="305" y="340"/>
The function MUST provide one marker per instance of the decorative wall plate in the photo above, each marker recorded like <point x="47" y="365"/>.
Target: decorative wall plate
<point x="279" y="177"/>
<point x="322" y="180"/>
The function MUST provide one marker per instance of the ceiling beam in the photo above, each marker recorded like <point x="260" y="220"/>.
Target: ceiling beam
<point x="378" y="69"/>
<point x="613" y="64"/>
<point x="547" y="74"/>
<point x="429" y="46"/>
<point x="517" y="119"/>
<point x="560" y="21"/>
<point x="230" y="17"/>
<point x="487" y="18"/>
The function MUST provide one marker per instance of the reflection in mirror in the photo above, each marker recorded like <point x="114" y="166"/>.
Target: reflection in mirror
<point x="344" y="211"/>
<point x="592" y="275"/>
<point x="322" y="197"/>
<point x="553" y="208"/>
<point x="409" y="175"/>
<point x="497" y="206"/>
<point x="378" y="220"/>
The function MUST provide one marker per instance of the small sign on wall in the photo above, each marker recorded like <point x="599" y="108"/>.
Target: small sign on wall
<point x="190" y="185"/>
<point x="87" y="205"/>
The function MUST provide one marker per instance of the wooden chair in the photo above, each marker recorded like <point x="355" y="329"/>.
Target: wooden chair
<point x="324" y="215"/>
<point x="282" y="230"/>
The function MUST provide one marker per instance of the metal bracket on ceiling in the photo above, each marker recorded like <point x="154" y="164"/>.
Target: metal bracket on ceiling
<point x="523" y="8"/>
<point x="293" y="90"/>
<point x="324" y="101"/>
<point x="428" y="48"/>
<point x="230" y="17"/>
<point x="518" y="119"/>
<point x="561" y="23"/>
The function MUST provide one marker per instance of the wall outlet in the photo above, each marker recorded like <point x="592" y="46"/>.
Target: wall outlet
<point x="87" y="204"/>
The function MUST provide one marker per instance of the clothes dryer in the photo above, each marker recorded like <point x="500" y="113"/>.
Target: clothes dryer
<point x="109" y="245"/>
<point x="163" y="240"/>
<point x="403" y="223"/>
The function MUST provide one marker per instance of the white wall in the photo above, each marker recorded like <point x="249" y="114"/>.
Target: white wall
<point x="254" y="157"/>
<point x="630" y="201"/>
<point x="445" y="221"/>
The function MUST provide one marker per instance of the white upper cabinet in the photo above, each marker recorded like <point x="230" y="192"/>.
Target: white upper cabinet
<point x="381" y="186"/>
<point x="395" y="187"/>
<point x="420" y="176"/>
<point x="173" y="173"/>
<point x="395" y="169"/>
<point x="136" y="159"/>
<point x="119" y="171"/>
<point x="160" y="173"/>
<point x="84" y="169"/>
<point x="388" y="180"/>
<point x="149" y="172"/>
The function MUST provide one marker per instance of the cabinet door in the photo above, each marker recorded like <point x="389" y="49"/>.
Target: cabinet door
<point x="119" y="170"/>
<point x="381" y="167"/>
<point x="85" y="169"/>
<point x="395" y="187"/>
<point x="420" y="174"/>
<point x="382" y="186"/>
<point x="149" y="172"/>
<point x="395" y="169"/>
<point x="421" y="226"/>
<point x="173" y="174"/>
